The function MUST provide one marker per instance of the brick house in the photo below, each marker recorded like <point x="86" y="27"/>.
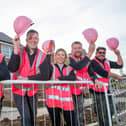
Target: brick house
<point x="6" y="45"/>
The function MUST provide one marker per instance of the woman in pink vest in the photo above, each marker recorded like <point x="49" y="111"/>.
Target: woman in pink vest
<point x="59" y="96"/>
<point x="4" y="75"/>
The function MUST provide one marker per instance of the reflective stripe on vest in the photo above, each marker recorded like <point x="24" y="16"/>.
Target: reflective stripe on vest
<point x="54" y="97"/>
<point x="105" y="84"/>
<point x="38" y="61"/>
<point x="53" y="75"/>
<point x="104" y="81"/>
<point x="86" y="80"/>
<point x="81" y="75"/>
<point x="37" y="71"/>
<point x="58" y="87"/>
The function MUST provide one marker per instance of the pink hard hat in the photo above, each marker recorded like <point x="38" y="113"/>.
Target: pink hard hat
<point x="21" y="24"/>
<point x="112" y="43"/>
<point x="90" y="35"/>
<point x="48" y="45"/>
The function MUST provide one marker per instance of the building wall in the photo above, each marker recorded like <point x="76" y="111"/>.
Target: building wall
<point x="0" y="47"/>
<point x="7" y="93"/>
<point x="9" y="51"/>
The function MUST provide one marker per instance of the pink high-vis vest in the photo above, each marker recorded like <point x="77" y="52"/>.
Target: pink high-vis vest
<point x="25" y="70"/>
<point x="1" y="85"/>
<point x="104" y="81"/>
<point x="59" y="95"/>
<point x="81" y="75"/>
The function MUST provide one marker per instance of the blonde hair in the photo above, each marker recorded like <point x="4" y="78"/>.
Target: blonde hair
<point x="66" y="62"/>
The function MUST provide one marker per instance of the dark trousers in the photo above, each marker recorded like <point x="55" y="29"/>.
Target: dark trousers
<point x="1" y="100"/>
<point x="100" y="108"/>
<point x="27" y="107"/>
<point x="79" y="109"/>
<point x="55" y="116"/>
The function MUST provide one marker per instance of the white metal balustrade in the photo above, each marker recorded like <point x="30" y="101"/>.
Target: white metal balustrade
<point x="10" y="115"/>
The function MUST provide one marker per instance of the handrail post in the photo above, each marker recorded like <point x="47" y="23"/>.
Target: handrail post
<point x="113" y="103"/>
<point x="108" y="108"/>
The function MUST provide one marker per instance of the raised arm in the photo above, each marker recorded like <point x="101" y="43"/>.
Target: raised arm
<point x="119" y="57"/>
<point x="14" y="62"/>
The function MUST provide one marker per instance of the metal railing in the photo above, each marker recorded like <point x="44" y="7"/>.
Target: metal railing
<point x="118" y="92"/>
<point x="10" y="114"/>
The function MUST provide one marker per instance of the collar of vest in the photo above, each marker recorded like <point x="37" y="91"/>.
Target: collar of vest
<point x="72" y="56"/>
<point x="28" y="50"/>
<point x="100" y="60"/>
<point x="62" y="66"/>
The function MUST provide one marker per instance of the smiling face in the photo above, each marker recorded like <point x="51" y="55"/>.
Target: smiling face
<point x="101" y="54"/>
<point x="60" y="57"/>
<point x="32" y="40"/>
<point x="77" y="50"/>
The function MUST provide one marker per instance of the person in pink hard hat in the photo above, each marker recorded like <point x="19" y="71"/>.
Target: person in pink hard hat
<point x="102" y="67"/>
<point x="25" y="63"/>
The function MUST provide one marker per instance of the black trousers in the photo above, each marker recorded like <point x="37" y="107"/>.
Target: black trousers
<point x="1" y="100"/>
<point x="79" y="109"/>
<point x="55" y="116"/>
<point x="27" y="107"/>
<point x="100" y="108"/>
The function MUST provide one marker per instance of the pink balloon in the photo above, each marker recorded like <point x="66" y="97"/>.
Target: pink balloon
<point x="21" y="24"/>
<point x="90" y="35"/>
<point x="48" y="45"/>
<point x="112" y="43"/>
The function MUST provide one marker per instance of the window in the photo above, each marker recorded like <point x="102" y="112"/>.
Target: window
<point x="6" y="50"/>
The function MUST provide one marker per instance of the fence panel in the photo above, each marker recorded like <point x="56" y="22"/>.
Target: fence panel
<point x="10" y="115"/>
<point x="118" y="90"/>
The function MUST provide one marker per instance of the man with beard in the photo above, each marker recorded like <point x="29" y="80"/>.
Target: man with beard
<point x="80" y="64"/>
<point x="102" y="67"/>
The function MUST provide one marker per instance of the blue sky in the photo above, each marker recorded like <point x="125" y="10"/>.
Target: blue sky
<point x="64" y="21"/>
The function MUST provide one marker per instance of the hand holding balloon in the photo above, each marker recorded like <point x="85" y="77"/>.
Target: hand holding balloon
<point x="16" y="41"/>
<point x="21" y="24"/>
<point x="48" y="46"/>
<point x="112" y="43"/>
<point x="90" y="35"/>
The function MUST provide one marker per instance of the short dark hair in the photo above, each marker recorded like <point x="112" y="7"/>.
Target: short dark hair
<point x="98" y="48"/>
<point x="32" y="31"/>
<point x="76" y="42"/>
